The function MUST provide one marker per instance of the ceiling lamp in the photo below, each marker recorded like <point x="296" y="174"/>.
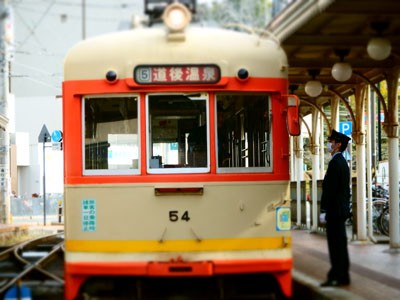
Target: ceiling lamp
<point x="379" y="48"/>
<point x="313" y="88"/>
<point x="341" y="71"/>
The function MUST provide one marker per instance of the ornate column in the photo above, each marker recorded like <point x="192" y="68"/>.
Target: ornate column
<point x="358" y="136"/>
<point x="322" y="141"/>
<point x="315" y="167"/>
<point x="391" y="128"/>
<point x="335" y="112"/>
<point x="299" y="152"/>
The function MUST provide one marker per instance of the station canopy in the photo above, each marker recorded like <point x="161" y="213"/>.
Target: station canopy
<point x="318" y="34"/>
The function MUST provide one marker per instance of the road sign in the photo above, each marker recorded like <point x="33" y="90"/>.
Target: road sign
<point x="56" y="136"/>
<point x="346" y="128"/>
<point x="44" y="136"/>
<point x="56" y="146"/>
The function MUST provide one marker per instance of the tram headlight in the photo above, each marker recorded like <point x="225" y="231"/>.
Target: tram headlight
<point x="111" y="76"/>
<point x="176" y="17"/>
<point x="243" y="74"/>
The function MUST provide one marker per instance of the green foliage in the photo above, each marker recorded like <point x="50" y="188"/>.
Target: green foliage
<point x="252" y="13"/>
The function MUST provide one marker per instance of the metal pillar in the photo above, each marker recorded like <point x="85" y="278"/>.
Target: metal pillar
<point x="359" y="138"/>
<point x="335" y="112"/>
<point x="321" y="150"/>
<point x="4" y="134"/>
<point x="292" y="159"/>
<point x="391" y="128"/>
<point x="372" y="132"/>
<point x="369" y="165"/>
<point x="315" y="163"/>
<point x="315" y="168"/>
<point x="298" y="142"/>
<point x="394" y="192"/>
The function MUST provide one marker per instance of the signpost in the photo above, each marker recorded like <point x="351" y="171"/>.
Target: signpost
<point x="44" y="137"/>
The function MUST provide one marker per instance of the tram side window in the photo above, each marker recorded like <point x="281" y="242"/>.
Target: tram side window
<point x="243" y="133"/>
<point x="111" y="135"/>
<point x="177" y="133"/>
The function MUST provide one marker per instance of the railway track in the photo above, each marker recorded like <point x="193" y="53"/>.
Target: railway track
<point x="35" y="265"/>
<point x="38" y="265"/>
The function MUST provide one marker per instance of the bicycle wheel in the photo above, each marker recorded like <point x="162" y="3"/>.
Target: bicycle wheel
<point x="384" y="220"/>
<point x="378" y="206"/>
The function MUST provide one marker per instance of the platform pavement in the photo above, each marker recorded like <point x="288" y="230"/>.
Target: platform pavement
<point x="11" y="231"/>
<point x="374" y="270"/>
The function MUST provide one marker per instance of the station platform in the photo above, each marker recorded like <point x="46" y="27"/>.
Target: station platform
<point x="374" y="269"/>
<point x="10" y="233"/>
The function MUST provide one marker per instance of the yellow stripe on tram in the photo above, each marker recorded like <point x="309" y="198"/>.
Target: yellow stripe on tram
<point x="267" y="243"/>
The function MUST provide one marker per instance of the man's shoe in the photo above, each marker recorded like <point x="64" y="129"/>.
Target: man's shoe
<point x="334" y="283"/>
<point x="343" y="283"/>
<point x="330" y="283"/>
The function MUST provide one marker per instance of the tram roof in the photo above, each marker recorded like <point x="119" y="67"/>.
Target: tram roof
<point x="310" y="31"/>
<point x="123" y="51"/>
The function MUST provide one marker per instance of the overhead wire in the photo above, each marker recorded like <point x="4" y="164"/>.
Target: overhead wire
<point x="20" y="7"/>
<point x="33" y="30"/>
<point x="58" y="88"/>
<point x="70" y="16"/>
<point x="38" y="70"/>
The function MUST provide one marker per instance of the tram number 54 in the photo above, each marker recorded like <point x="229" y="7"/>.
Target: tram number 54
<point x="174" y="216"/>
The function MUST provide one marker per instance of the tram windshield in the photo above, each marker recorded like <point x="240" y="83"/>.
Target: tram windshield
<point x="177" y="133"/>
<point x="111" y="135"/>
<point x="243" y="133"/>
<point x="177" y="127"/>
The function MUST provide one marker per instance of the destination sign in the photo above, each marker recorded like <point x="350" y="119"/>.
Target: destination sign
<point x="177" y="74"/>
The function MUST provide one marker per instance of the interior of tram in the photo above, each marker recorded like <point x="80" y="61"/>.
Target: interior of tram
<point x="178" y="132"/>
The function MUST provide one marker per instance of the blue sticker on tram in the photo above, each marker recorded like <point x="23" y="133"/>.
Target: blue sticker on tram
<point x="89" y="215"/>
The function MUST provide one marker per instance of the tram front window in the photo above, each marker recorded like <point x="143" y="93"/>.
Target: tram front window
<point x="243" y="133"/>
<point x="177" y="133"/>
<point x="111" y="135"/>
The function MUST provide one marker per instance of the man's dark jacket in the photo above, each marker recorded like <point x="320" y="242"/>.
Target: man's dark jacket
<point x="335" y="199"/>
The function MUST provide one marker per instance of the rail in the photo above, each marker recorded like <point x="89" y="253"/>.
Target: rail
<point x="35" y="264"/>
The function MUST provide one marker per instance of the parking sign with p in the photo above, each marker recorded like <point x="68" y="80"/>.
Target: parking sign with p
<point x="346" y="128"/>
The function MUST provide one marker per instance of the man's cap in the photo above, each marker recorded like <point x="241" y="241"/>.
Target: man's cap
<point x="338" y="137"/>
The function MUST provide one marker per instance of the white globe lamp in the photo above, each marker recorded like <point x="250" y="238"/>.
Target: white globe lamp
<point x="379" y="48"/>
<point x="341" y="71"/>
<point x="313" y="88"/>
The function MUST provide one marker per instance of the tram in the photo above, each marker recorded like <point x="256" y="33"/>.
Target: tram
<point x="176" y="152"/>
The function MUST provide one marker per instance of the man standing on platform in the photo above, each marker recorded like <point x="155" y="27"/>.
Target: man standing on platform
<point x="335" y="209"/>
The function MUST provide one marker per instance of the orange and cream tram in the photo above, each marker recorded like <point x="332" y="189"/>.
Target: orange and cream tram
<point x="177" y="155"/>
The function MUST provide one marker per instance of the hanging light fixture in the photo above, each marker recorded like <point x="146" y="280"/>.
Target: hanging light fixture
<point x="379" y="48"/>
<point x="313" y="88"/>
<point x="341" y="71"/>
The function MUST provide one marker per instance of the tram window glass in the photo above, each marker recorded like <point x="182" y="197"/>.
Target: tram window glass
<point x="243" y="133"/>
<point x="111" y="142"/>
<point x="177" y="129"/>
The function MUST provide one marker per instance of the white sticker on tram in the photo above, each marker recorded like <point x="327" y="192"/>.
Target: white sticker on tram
<point x="89" y="215"/>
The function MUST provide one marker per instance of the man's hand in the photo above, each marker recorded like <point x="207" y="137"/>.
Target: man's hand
<point x="322" y="218"/>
